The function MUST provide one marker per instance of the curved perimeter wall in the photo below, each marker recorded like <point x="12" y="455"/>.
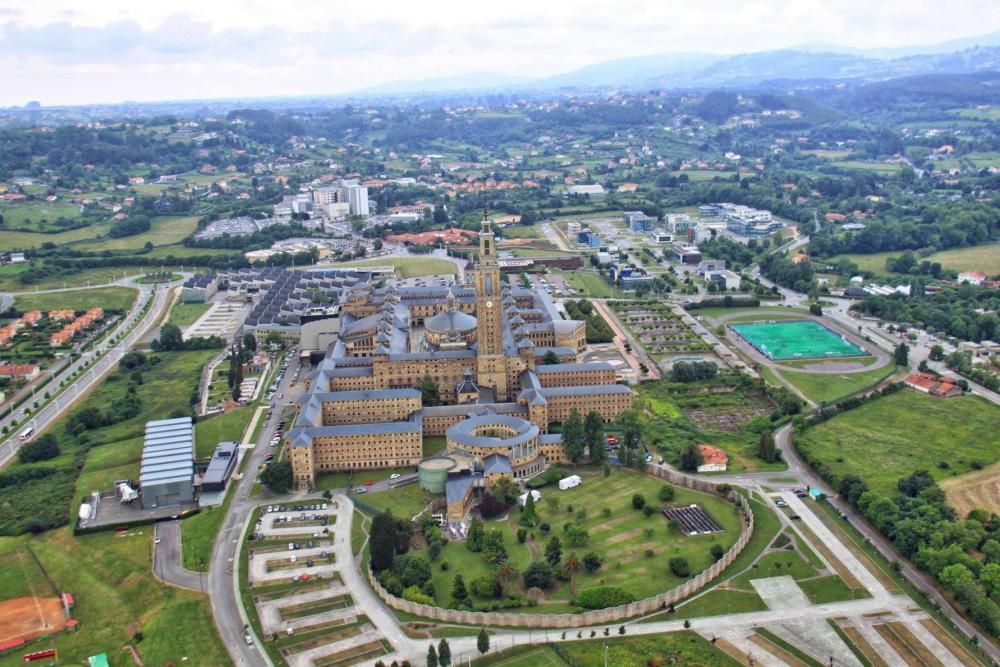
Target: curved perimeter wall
<point x="596" y="616"/>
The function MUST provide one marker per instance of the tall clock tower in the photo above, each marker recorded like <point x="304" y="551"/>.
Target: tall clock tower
<point x="491" y="364"/>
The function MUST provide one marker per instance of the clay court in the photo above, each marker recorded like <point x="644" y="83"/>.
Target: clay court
<point x="30" y="617"/>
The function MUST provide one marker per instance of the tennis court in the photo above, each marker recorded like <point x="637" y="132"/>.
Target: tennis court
<point x="796" y="339"/>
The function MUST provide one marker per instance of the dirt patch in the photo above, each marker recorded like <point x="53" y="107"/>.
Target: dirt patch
<point x="980" y="488"/>
<point x="622" y="537"/>
<point x="30" y="617"/>
<point x="834" y="366"/>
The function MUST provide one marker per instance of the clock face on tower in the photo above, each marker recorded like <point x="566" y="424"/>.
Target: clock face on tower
<point x="489" y="304"/>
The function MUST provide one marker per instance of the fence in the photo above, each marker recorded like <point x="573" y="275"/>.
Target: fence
<point x="596" y="616"/>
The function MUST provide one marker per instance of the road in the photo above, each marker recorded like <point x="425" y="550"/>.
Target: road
<point x="93" y="374"/>
<point x="167" y="558"/>
<point x="223" y="591"/>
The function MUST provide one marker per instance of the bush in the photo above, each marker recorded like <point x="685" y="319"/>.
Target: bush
<point x="599" y="597"/>
<point x="648" y="511"/>
<point x="522" y="535"/>
<point x="679" y="566"/>
<point x="638" y="501"/>
<point x="539" y="575"/>
<point x="666" y="493"/>
<point x="592" y="562"/>
<point x="717" y="552"/>
<point x="414" y="594"/>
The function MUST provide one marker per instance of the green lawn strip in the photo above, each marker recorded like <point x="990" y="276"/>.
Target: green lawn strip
<point x="828" y="387"/>
<point x="408" y="267"/>
<point x="341" y="480"/>
<point x="198" y="534"/>
<point x="716" y="602"/>
<point x="855" y="649"/>
<point x="806" y="550"/>
<point x="358" y="531"/>
<point x="433" y="444"/>
<point x="183" y="314"/>
<point x="674" y="647"/>
<point x="111" y="578"/>
<point x="849" y="532"/>
<point x="405" y="502"/>
<point x="775" y="564"/>
<point x="118" y="299"/>
<point x="523" y="656"/>
<point x="832" y="588"/>
<point x="789" y="648"/>
<point x="766" y="527"/>
<point x="876" y="441"/>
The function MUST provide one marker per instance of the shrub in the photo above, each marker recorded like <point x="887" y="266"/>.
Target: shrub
<point x="592" y="562"/>
<point x="666" y="493"/>
<point x="599" y="597"/>
<point x="717" y="552"/>
<point x="544" y="527"/>
<point x="648" y="511"/>
<point x="522" y="535"/>
<point x="45" y="447"/>
<point x="539" y="575"/>
<point x="638" y="501"/>
<point x="679" y="566"/>
<point x="414" y="594"/>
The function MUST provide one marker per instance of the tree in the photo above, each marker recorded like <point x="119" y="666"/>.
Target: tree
<point x="936" y="353"/>
<point x="638" y="501"/>
<point x="550" y="358"/>
<point x="573" y="437"/>
<point x="45" y="447"/>
<point x="571" y="566"/>
<point x="690" y="459"/>
<point x="666" y="493"/>
<point x="553" y="551"/>
<point x="458" y="590"/>
<point x="277" y="477"/>
<point x="170" y="339"/>
<point x="432" y="658"/>
<point x="483" y="641"/>
<point x="274" y="340"/>
<point x="444" y="653"/>
<point x="593" y="429"/>
<point x="383" y="541"/>
<point x="816" y="309"/>
<point x="529" y="517"/>
<point x="766" y="448"/>
<point x="429" y="392"/>
<point x="902" y="354"/>
<point x="474" y="538"/>
<point x="507" y="574"/>
<point x="249" y="342"/>
<point x="631" y="425"/>
<point x="539" y="575"/>
<point x="717" y="552"/>
<point x="592" y="562"/>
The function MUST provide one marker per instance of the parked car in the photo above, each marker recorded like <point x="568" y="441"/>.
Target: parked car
<point x="394" y="475"/>
<point x="369" y="482"/>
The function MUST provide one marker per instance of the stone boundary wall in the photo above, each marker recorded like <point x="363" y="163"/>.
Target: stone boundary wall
<point x="596" y="616"/>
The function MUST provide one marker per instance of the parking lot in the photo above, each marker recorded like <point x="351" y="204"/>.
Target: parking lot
<point x="312" y="520"/>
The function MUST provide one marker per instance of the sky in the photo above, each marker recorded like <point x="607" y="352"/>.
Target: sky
<point x="106" y="51"/>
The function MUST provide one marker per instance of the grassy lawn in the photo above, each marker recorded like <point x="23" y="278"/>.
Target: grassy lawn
<point x="880" y="168"/>
<point x="30" y="216"/>
<point x="590" y="284"/>
<point x="828" y="387"/>
<point x="341" y="480"/>
<point x="408" y="267"/>
<point x="109" y="298"/>
<point x="684" y="648"/>
<point x="163" y="230"/>
<point x="635" y="548"/>
<point x="878" y="440"/>
<point x="183" y="314"/>
<point x="221" y="428"/>
<point x="405" y="502"/>
<point x="116" y="595"/>
<point x="832" y="588"/>
<point x="717" y="602"/>
<point x="9" y="274"/>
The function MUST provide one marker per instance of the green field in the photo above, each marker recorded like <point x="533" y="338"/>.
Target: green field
<point x="38" y="216"/>
<point x="183" y="314"/>
<point x="163" y="231"/>
<point x="111" y="577"/>
<point x="801" y="339"/>
<point x="989" y="113"/>
<point x="828" y="387"/>
<point x="893" y="436"/>
<point x="985" y="258"/>
<point x="118" y="299"/>
<point x="878" y="167"/>
<point x="10" y="240"/>
<point x="408" y="267"/>
<point x="635" y="548"/>
<point x="9" y="278"/>
<point x="827" y="154"/>
<point x="228" y="426"/>
<point x="590" y="284"/>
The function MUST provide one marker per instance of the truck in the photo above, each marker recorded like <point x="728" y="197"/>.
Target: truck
<point x="569" y="482"/>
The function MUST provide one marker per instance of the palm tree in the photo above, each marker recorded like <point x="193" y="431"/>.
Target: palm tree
<point x="571" y="566"/>
<point x="507" y="574"/>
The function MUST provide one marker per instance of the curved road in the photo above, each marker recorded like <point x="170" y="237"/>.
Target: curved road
<point x="71" y="392"/>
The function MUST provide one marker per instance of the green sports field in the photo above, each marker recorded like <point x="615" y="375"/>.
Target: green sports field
<point x="798" y="339"/>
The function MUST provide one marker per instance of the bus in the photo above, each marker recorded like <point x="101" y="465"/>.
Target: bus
<point x="26" y="433"/>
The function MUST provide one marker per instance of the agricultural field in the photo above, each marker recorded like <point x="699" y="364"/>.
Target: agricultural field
<point x="407" y="267"/>
<point x="41" y="217"/>
<point x="881" y="168"/>
<point x="877" y="441"/>
<point x="979" y="488"/>
<point x="634" y="548"/>
<point x="657" y="327"/>
<point x="111" y="299"/>
<point x="13" y="240"/>
<point x="117" y="596"/>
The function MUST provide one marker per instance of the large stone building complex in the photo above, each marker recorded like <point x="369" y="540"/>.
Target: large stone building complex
<point x="483" y="348"/>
